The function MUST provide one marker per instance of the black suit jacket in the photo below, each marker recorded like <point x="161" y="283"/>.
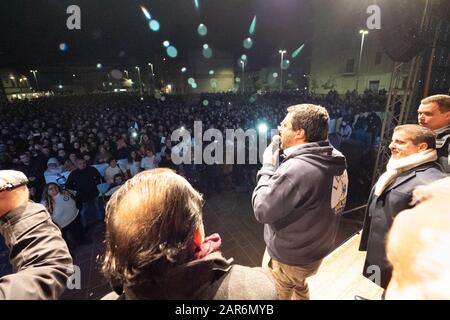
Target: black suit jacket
<point x="382" y="210"/>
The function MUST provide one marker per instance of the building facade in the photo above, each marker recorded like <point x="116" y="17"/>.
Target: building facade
<point x="336" y="49"/>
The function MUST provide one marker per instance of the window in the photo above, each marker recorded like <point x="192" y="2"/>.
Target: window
<point x="374" y="85"/>
<point x="378" y="56"/>
<point x="349" y="68"/>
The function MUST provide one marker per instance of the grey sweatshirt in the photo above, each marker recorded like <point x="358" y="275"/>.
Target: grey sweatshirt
<point x="300" y="202"/>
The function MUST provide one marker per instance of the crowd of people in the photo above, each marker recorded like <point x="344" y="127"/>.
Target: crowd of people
<point x="46" y="137"/>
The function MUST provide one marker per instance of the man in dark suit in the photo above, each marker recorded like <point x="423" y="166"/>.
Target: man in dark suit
<point x="413" y="163"/>
<point x="434" y="114"/>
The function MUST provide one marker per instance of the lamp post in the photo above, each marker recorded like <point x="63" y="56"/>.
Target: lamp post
<point x="35" y="78"/>
<point x="152" y="75"/>
<point x="140" y="82"/>
<point x="243" y="77"/>
<point x="363" y="34"/>
<point x="282" y="52"/>
<point x="151" y="67"/>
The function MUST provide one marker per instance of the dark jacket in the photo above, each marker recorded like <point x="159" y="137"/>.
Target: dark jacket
<point x="38" y="255"/>
<point x="210" y="278"/>
<point x="381" y="211"/>
<point x="300" y="203"/>
<point x="84" y="182"/>
<point x="443" y="148"/>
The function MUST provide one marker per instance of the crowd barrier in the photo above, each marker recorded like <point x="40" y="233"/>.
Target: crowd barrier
<point x="61" y="179"/>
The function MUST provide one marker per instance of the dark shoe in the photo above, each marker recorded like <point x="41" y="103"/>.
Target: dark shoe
<point x="360" y="298"/>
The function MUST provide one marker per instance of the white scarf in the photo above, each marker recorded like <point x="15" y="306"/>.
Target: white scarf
<point x="396" y="166"/>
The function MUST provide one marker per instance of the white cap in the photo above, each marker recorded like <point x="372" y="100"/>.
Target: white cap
<point x="11" y="178"/>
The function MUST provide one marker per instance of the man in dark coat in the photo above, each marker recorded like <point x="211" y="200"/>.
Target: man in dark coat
<point x="38" y="254"/>
<point x="434" y="114"/>
<point x="413" y="163"/>
<point x="84" y="181"/>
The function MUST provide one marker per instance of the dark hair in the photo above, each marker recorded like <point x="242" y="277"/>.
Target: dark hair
<point x="442" y="100"/>
<point x="311" y="118"/>
<point x="150" y="226"/>
<point x="419" y="134"/>
<point x="48" y="200"/>
<point x="130" y="159"/>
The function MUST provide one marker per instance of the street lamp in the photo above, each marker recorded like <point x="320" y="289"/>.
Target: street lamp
<point x="140" y="82"/>
<point x="35" y="78"/>
<point x="243" y="77"/>
<point x="363" y="34"/>
<point x="282" y="52"/>
<point x="151" y="67"/>
<point x="152" y="75"/>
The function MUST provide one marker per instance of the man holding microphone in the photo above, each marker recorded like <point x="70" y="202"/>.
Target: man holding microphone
<point x="299" y="200"/>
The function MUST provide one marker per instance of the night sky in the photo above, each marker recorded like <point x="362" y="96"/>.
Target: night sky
<point x="116" y="31"/>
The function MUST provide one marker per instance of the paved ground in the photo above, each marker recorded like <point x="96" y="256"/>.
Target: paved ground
<point x="229" y="213"/>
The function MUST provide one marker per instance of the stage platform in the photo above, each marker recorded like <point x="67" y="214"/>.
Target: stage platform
<point x="340" y="275"/>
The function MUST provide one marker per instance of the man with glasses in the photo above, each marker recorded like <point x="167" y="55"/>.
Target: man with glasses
<point x="299" y="201"/>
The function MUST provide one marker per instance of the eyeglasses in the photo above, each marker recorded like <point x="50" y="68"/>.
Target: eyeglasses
<point x="10" y="186"/>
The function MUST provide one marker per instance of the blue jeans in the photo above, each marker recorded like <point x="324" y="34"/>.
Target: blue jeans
<point x="91" y="212"/>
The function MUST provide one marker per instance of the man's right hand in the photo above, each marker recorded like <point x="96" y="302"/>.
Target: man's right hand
<point x="272" y="152"/>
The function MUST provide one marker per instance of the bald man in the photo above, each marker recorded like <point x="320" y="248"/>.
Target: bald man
<point x="38" y="253"/>
<point x="417" y="246"/>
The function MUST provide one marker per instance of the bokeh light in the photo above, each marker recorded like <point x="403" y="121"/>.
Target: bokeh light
<point x="297" y="51"/>
<point x="271" y="79"/>
<point x="207" y="52"/>
<point x="63" y="47"/>
<point x="146" y="13"/>
<point x="202" y="30"/>
<point x="205" y="103"/>
<point x="286" y="64"/>
<point x="183" y="69"/>
<point x="154" y="25"/>
<point x="211" y="72"/>
<point x="262" y="128"/>
<point x="172" y="51"/>
<point x="248" y="43"/>
<point x="99" y="66"/>
<point x="117" y="74"/>
<point x="252" y="28"/>
<point x="191" y="81"/>
<point x="166" y="44"/>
